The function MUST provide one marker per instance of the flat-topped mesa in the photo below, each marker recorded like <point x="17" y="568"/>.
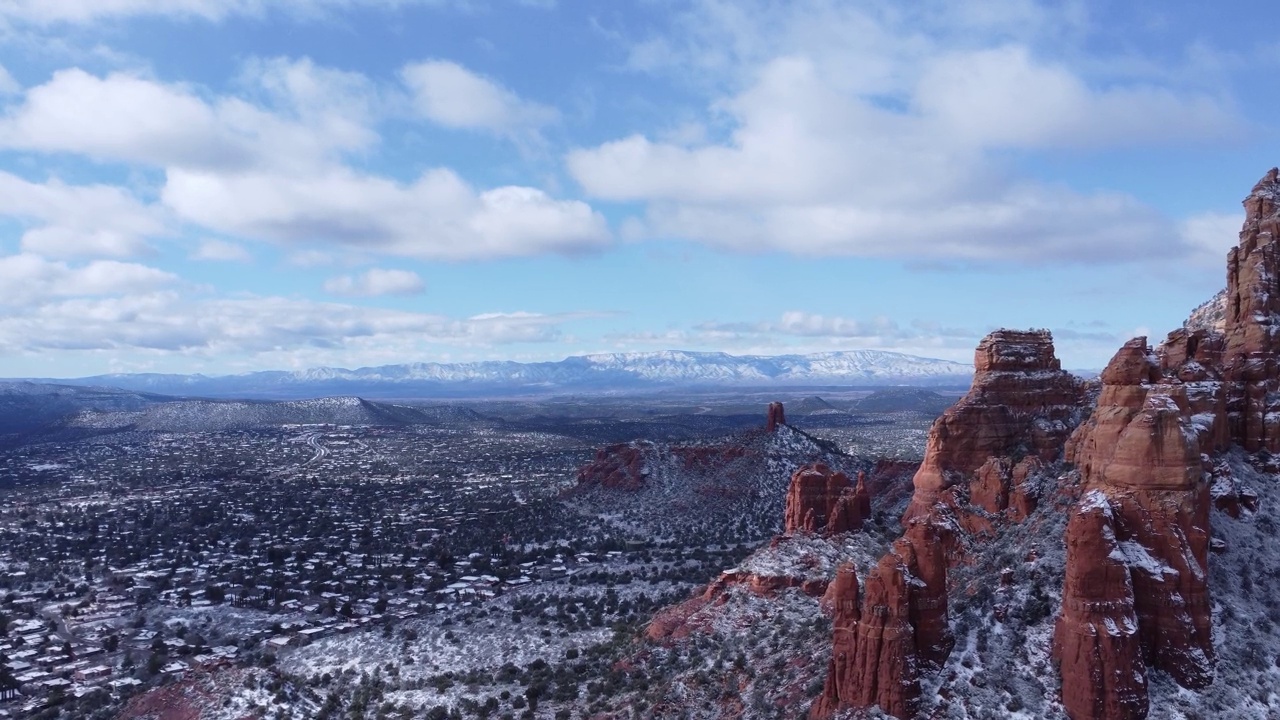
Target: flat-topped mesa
<point x="777" y="416"/>
<point x="1016" y="351"/>
<point x="1021" y="404"/>
<point x="820" y="499"/>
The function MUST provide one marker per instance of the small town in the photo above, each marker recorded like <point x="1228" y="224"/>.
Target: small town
<point x="141" y="560"/>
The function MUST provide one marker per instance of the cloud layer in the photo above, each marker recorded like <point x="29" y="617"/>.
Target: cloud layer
<point x="276" y="171"/>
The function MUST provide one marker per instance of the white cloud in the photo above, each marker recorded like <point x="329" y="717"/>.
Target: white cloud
<point x="374" y="282"/>
<point x="896" y="145"/>
<point x="216" y="250"/>
<point x="277" y="170"/>
<point x="1212" y="235"/>
<point x="438" y="216"/>
<point x="453" y="96"/>
<point x="30" y="279"/>
<point x="320" y="113"/>
<point x="1004" y="98"/>
<point x="78" y="220"/>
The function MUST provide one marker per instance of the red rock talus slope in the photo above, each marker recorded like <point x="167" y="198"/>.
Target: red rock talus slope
<point x="1021" y="404"/>
<point x="820" y="499"/>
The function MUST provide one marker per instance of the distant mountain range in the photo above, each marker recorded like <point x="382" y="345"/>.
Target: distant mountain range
<point x="610" y="373"/>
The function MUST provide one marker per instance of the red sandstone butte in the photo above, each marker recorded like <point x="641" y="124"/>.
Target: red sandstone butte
<point x="820" y="499"/>
<point x="1021" y="404"/>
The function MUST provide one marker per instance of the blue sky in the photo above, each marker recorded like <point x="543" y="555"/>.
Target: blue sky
<point x="230" y="185"/>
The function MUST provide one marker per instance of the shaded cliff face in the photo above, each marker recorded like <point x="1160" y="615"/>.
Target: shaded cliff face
<point x="1096" y="637"/>
<point x="1252" y="322"/>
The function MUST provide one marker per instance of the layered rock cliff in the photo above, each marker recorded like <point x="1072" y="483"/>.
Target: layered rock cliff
<point x="1021" y="405"/>
<point x="1144" y="457"/>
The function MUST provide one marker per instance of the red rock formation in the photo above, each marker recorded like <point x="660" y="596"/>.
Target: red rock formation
<point x="1252" y="322"/>
<point x="862" y="497"/>
<point x="923" y="550"/>
<point x="1000" y="484"/>
<point x="1140" y="459"/>
<point x="1096" y="638"/>
<point x="822" y="500"/>
<point x="777" y="416"/>
<point x="983" y="450"/>
<point x="873" y="660"/>
<point x="618" y="467"/>
<point x="1021" y="404"/>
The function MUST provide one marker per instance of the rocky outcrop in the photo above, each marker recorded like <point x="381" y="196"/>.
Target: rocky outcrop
<point x="1143" y="456"/>
<point x="884" y="639"/>
<point x="1001" y="484"/>
<point x="1252" y="322"/>
<point x="1140" y="460"/>
<point x="820" y="499"/>
<point x="617" y="467"/>
<point x="873" y="660"/>
<point x="1096" y="640"/>
<point x="777" y="416"/>
<point x="979" y="464"/>
<point x="1021" y="404"/>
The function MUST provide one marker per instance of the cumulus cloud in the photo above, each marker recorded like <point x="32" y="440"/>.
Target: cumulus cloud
<point x="1003" y="97"/>
<point x="78" y="220"/>
<point x="438" y="216"/>
<point x="138" y="120"/>
<point x="896" y="145"/>
<point x="453" y="96"/>
<point x="276" y="169"/>
<point x="30" y="279"/>
<point x="374" y="282"/>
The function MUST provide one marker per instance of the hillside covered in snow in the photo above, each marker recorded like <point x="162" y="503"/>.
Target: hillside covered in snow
<point x="581" y="374"/>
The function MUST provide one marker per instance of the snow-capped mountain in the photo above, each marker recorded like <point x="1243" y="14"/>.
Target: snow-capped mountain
<point x="589" y="373"/>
